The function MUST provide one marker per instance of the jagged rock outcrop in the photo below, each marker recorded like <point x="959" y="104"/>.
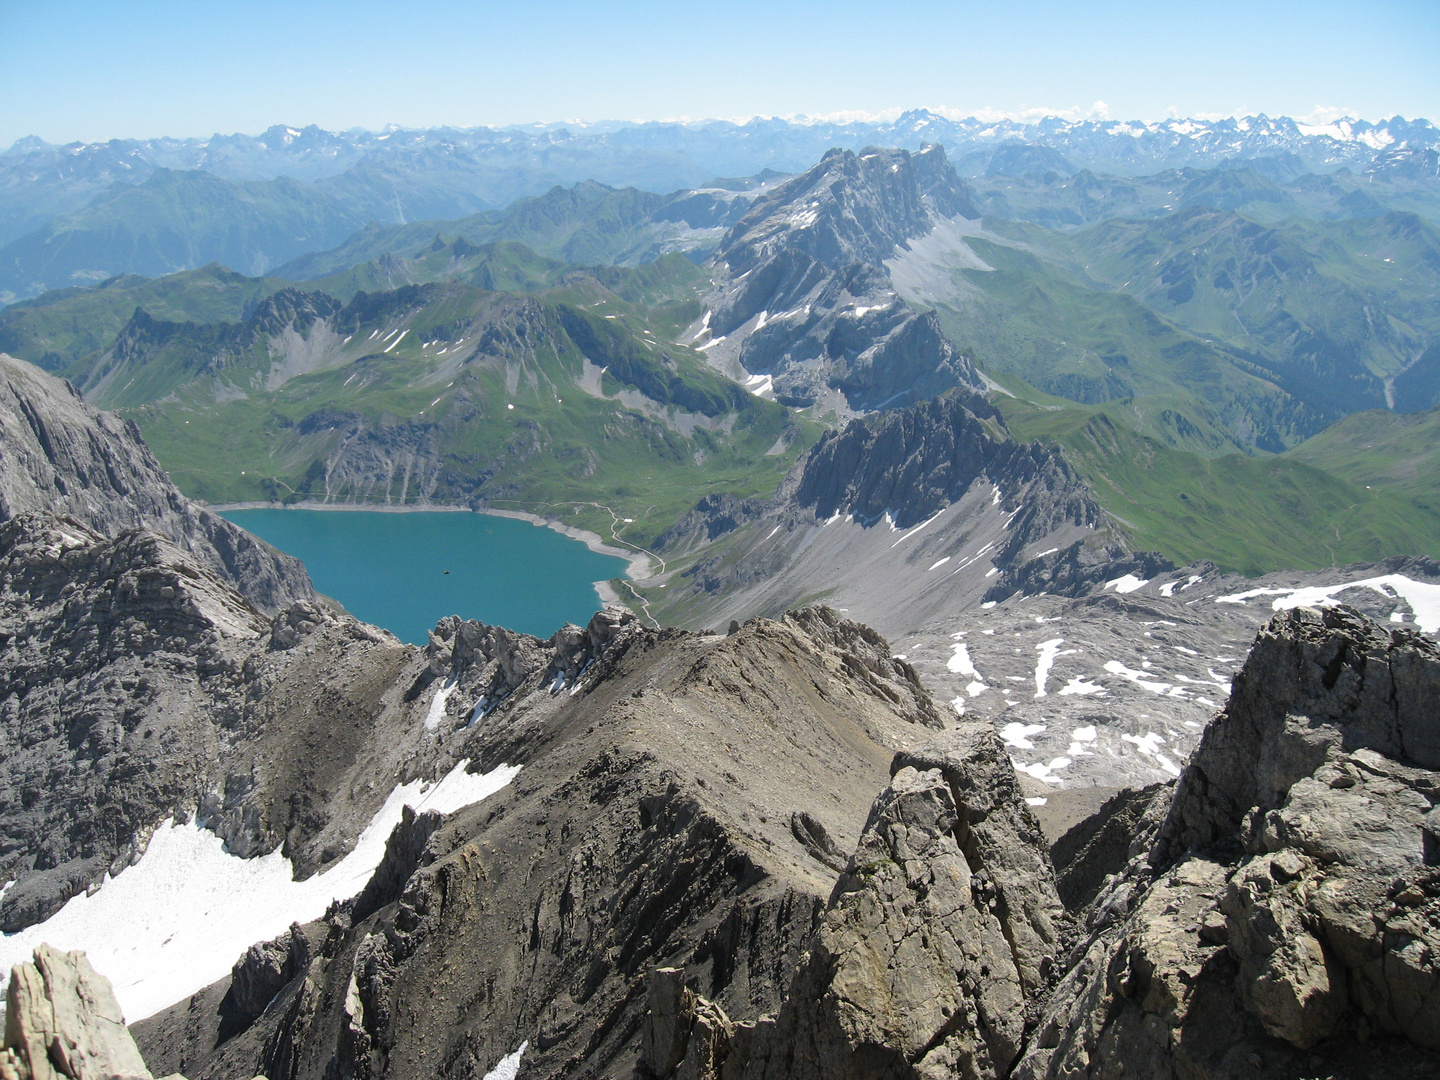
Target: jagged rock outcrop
<point x="62" y="1021"/>
<point x="1102" y="844"/>
<point x="874" y="511"/>
<point x="60" y="455"/>
<point x="1281" y="915"/>
<point x="943" y="924"/>
<point x="911" y="463"/>
<point x="652" y="826"/>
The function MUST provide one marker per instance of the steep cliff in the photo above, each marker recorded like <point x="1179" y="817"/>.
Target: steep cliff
<point x="58" y="454"/>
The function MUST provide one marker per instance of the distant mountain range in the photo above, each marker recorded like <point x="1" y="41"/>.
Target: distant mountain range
<point x="1169" y="335"/>
<point x="79" y="213"/>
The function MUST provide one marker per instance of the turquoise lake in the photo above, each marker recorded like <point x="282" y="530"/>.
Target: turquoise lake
<point x="391" y="569"/>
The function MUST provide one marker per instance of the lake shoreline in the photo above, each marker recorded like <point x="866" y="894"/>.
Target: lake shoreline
<point x="640" y="564"/>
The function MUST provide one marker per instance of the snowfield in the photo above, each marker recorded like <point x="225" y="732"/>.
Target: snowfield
<point x="177" y="920"/>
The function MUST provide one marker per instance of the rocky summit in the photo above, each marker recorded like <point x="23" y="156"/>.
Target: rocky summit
<point x="803" y="307"/>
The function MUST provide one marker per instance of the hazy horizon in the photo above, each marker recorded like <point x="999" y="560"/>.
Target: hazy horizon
<point x="79" y="70"/>
<point x="1314" y="120"/>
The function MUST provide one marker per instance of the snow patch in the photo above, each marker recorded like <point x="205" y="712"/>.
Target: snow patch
<point x="177" y="920"/>
<point x="1041" y="771"/>
<point x="1017" y="735"/>
<point x="1139" y="678"/>
<point x="915" y="529"/>
<point x="1149" y="745"/>
<point x="1168" y="589"/>
<point x="960" y="662"/>
<point x="437" y="705"/>
<point x="1422" y="596"/>
<point x="1127" y="584"/>
<point x="1048" y="651"/>
<point x="509" y="1066"/>
<point x="1078" y="686"/>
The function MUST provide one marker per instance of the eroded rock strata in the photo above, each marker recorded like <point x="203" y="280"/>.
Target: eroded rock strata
<point x="61" y="455"/>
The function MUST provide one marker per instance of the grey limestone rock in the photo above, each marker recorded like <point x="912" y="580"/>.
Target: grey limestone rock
<point x="914" y="970"/>
<point x="974" y="501"/>
<point x="1318" y="683"/>
<point x="1003" y="843"/>
<point x="1283" y="912"/>
<point x="59" y="454"/>
<point x="62" y="1021"/>
<point x="910" y="973"/>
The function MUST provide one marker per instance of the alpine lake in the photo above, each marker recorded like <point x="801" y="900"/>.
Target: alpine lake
<point x="406" y="571"/>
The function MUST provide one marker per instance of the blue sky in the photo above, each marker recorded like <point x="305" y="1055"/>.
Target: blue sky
<point x="139" y="68"/>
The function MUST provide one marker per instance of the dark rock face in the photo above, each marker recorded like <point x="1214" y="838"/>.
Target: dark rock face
<point x="60" y="455"/>
<point x="1357" y="687"/>
<point x="1103" y="844"/>
<point x="1282" y="913"/>
<point x="913" y="462"/>
<point x="1006" y="516"/>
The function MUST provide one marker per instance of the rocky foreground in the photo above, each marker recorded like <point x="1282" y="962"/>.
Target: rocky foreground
<point x="685" y="880"/>
<point x="642" y="905"/>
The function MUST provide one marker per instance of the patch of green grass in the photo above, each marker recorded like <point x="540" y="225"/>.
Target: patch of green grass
<point x="510" y="417"/>
<point x="1246" y="514"/>
<point x="1379" y="449"/>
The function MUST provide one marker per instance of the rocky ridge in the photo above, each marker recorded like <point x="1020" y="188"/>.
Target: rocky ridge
<point x="898" y="518"/>
<point x="60" y="455"/>
<point x="682" y="804"/>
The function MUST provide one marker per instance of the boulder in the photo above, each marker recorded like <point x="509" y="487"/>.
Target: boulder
<point x="62" y="1020"/>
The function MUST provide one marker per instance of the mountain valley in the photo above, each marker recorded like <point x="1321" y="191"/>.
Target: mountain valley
<point x="1028" y="665"/>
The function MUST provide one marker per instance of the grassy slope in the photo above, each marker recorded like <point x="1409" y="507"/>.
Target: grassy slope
<point x="1042" y="321"/>
<point x="1400" y="452"/>
<point x="1247" y="514"/>
<point x="559" y="451"/>
<point x="1330" y="308"/>
<point x="58" y="328"/>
